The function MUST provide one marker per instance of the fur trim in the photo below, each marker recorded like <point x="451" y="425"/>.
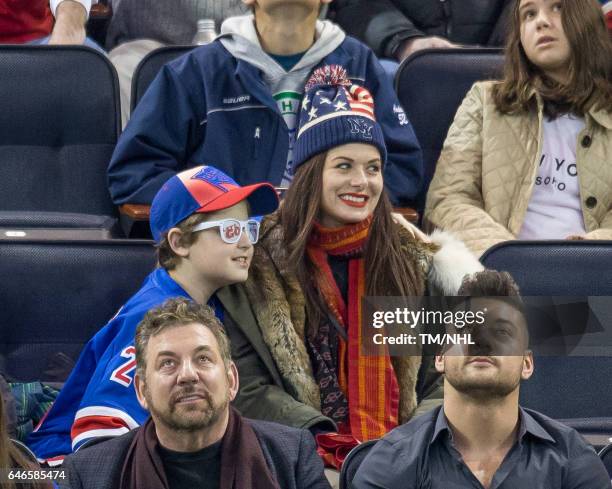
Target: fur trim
<point x="451" y="263"/>
<point x="279" y="306"/>
<point x="407" y="373"/>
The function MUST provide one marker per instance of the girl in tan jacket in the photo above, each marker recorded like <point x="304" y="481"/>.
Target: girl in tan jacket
<point x="530" y="157"/>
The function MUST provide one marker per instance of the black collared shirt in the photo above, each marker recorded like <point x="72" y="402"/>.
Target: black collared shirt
<point x="421" y="455"/>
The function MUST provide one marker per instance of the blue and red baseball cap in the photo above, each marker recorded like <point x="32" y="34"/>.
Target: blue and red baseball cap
<point x="205" y="189"/>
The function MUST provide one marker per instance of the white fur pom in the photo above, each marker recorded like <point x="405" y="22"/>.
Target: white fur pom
<point x="450" y="264"/>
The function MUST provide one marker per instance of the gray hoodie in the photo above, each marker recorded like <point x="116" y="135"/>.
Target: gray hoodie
<point x="239" y="37"/>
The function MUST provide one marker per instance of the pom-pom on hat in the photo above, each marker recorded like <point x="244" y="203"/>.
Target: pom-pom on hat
<point x="205" y="189"/>
<point x="334" y="112"/>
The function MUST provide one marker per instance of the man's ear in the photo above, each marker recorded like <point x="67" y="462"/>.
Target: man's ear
<point x="234" y="382"/>
<point x="439" y="364"/>
<point x="175" y="240"/>
<point x="527" y="365"/>
<point x="139" y="387"/>
<point x="250" y="3"/>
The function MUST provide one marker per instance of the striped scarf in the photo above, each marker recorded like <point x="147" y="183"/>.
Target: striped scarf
<point x="368" y="382"/>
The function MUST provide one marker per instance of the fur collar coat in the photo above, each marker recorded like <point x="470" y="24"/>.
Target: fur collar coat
<point x="279" y="306"/>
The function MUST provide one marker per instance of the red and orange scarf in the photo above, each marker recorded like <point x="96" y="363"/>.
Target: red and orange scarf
<point x="368" y="382"/>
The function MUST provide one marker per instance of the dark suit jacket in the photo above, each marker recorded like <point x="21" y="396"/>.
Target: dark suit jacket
<point x="290" y="454"/>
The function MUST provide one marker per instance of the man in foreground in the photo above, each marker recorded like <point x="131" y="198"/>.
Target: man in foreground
<point x="186" y="379"/>
<point x="481" y="437"/>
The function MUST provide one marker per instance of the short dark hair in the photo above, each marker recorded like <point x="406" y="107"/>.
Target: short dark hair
<point x="490" y="283"/>
<point x="178" y="311"/>
<point x="166" y="257"/>
<point x="494" y="285"/>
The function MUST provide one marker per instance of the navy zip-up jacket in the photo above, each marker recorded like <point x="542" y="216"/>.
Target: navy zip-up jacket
<point x="210" y="108"/>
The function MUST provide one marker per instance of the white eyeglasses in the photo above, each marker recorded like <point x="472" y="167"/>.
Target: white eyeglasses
<point x="231" y="229"/>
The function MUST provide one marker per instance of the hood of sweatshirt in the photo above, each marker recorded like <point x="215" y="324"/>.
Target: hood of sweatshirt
<point x="239" y="37"/>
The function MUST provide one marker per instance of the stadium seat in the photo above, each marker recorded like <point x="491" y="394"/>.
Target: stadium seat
<point x="606" y="457"/>
<point x="569" y="388"/>
<point x="135" y="217"/>
<point x="59" y="124"/>
<point x="149" y="67"/>
<point x="431" y="85"/>
<point x="555" y="268"/>
<point x="57" y="294"/>
<point x="352" y="462"/>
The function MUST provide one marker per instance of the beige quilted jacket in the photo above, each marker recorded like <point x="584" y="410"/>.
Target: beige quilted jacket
<point x="487" y="168"/>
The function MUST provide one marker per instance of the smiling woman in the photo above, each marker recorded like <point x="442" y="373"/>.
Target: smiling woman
<point x="352" y="184"/>
<point x="333" y="242"/>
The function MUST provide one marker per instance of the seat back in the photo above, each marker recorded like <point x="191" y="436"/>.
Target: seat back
<point x="555" y="268"/>
<point x="352" y="462"/>
<point x="56" y="294"/>
<point x="59" y="124"/>
<point x="606" y="457"/>
<point x="562" y="387"/>
<point x="431" y="85"/>
<point x="571" y="388"/>
<point x="149" y="67"/>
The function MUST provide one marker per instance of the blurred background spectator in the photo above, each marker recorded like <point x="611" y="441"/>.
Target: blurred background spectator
<point x="607" y="8"/>
<point x="12" y="455"/>
<point x="140" y="26"/>
<point x="395" y="29"/>
<point x="170" y="23"/>
<point x="45" y="22"/>
<point x="528" y="157"/>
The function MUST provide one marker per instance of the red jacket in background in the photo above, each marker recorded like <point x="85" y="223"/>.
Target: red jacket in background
<point x="606" y="5"/>
<point x="24" y="20"/>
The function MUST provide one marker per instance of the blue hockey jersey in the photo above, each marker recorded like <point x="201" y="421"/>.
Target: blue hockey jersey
<point x="98" y="398"/>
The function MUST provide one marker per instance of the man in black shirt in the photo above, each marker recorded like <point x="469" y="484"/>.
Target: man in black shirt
<point x="186" y="379"/>
<point x="481" y="437"/>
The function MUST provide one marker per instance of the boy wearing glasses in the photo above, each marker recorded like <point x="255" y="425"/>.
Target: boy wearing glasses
<point x="201" y="225"/>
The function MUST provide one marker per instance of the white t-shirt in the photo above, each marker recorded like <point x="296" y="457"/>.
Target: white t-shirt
<point x="554" y="211"/>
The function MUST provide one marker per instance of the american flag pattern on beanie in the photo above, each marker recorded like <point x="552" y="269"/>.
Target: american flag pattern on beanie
<point x="335" y="111"/>
<point x="330" y="94"/>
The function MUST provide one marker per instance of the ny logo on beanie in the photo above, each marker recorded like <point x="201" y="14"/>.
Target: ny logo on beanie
<point x="361" y="127"/>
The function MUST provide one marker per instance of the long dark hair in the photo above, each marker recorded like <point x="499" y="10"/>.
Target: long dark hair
<point x="590" y="65"/>
<point x="12" y="457"/>
<point x="388" y="271"/>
